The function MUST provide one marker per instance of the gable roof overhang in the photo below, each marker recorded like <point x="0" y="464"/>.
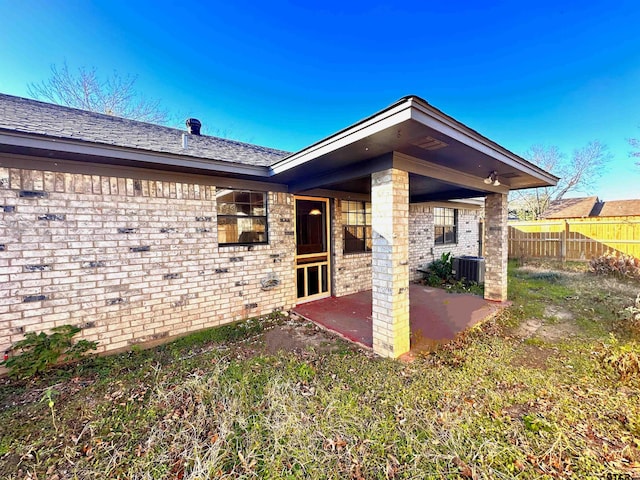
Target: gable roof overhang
<point x="35" y="145"/>
<point x="52" y="137"/>
<point x="445" y="159"/>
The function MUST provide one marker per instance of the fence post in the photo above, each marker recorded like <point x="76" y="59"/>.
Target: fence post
<point x="564" y="237"/>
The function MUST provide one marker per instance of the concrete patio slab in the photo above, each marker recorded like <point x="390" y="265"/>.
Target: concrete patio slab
<point x="436" y="315"/>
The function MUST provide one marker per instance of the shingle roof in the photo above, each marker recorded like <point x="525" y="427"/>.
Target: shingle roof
<point x="30" y="116"/>
<point x="620" y="208"/>
<point x="571" y="208"/>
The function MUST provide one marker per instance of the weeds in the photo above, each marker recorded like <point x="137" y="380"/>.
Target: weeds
<point x="630" y="317"/>
<point x="440" y="270"/>
<point x="619" y="265"/>
<point x="552" y="277"/>
<point x="48" y="395"/>
<point x="536" y="423"/>
<point x="193" y="409"/>
<point x="439" y="273"/>
<point x="38" y="352"/>
<point x="622" y="360"/>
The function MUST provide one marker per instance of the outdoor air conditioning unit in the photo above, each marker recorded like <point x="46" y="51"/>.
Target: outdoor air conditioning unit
<point x="469" y="268"/>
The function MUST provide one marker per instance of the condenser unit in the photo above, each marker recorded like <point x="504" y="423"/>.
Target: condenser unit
<point x="469" y="268"/>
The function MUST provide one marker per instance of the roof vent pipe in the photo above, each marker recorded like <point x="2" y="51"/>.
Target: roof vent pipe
<point x="193" y="126"/>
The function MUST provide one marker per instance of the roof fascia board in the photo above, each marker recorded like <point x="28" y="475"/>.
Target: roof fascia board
<point x="445" y="174"/>
<point x="477" y="201"/>
<point x="86" y="168"/>
<point x="440" y="197"/>
<point x="387" y="118"/>
<point x="468" y="204"/>
<point x="337" y="194"/>
<point x="459" y="203"/>
<point x="359" y="170"/>
<point x="437" y="120"/>
<point x="89" y="149"/>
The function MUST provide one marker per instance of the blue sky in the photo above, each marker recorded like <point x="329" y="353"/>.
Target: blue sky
<point x="286" y="74"/>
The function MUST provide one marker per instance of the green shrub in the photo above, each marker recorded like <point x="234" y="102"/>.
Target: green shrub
<point x="38" y="352"/>
<point x="440" y="270"/>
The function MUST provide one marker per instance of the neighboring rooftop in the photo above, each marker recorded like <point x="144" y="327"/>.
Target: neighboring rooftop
<point x="620" y="208"/>
<point x="571" y="208"/>
<point x="55" y="121"/>
<point x="592" y="207"/>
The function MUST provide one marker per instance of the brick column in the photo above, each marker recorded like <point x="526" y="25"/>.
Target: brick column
<point x="390" y="262"/>
<point x="496" y="247"/>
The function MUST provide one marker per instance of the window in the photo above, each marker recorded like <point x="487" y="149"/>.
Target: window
<point x="445" y="221"/>
<point x="242" y="217"/>
<point x="356" y="221"/>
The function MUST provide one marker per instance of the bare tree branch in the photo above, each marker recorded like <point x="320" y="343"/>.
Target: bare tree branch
<point x="577" y="173"/>
<point x="115" y="95"/>
<point x="583" y="169"/>
<point x="635" y="143"/>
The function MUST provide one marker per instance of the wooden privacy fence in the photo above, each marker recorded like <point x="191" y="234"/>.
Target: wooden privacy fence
<point x="574" y="238"/>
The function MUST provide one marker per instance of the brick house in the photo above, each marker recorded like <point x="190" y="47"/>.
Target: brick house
<point x="139" y="232"/>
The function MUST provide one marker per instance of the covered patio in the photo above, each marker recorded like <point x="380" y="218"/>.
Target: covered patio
<point x="436" y="315"/>
<point x="410" y="153"/>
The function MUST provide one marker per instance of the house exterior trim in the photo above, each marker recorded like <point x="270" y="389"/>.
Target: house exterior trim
<point x="119" y="154"/>
<point x="417" y="109"/>
<point x="432" y="117"/>
<point x="387" y="118"/>
<point x="415" y="165"/>
<point x="322" y="192"/>
<point x="356" y="170"/>
<point x="85" y="168"/>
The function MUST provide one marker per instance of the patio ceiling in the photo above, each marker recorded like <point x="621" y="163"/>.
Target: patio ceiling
<point x="445" y="158"/>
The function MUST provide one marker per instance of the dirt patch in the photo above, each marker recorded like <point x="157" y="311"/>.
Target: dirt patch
<point x="558" y="332"/>
<point x="27" y="395"/>
<point x="296" y="337"/>
<point x="554" y="332"/>
<point x="532" y="356"/>
<point x="544" y="268"/>
<point x="558" y="313"/>
<point x="516" y="411"/>
<point x="528" y="328"/>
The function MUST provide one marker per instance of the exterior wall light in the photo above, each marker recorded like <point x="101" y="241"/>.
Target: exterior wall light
<point x="492" y="179"/>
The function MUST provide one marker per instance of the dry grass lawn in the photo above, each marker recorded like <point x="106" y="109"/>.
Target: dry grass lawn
<point x="549" y="389"/>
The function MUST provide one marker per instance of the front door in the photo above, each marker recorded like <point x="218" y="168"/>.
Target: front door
<point x="312" y="249"/>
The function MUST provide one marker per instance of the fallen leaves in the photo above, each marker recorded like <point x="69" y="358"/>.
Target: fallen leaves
<point x="464" y="469"/>
<point x="334" y="445"/>
<point x="468" y="415"/>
